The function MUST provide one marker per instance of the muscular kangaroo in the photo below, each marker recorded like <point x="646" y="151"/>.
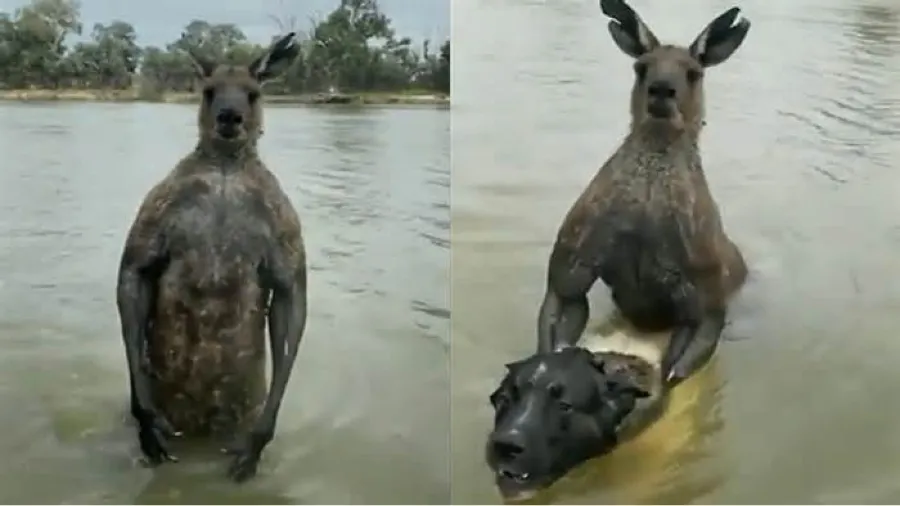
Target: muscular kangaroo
<point x="647" y="224"/>
<point x="215" y="250"/>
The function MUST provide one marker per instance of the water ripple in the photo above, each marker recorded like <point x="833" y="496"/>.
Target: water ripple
<point x="801" y="152"/>
<point x="369" y="185"/>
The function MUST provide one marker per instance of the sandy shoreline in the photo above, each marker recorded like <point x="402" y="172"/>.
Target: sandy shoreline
<point x="373" y="98"/>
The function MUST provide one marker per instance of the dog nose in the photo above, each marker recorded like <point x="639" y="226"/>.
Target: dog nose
<point x="507" y="446"/>
<point x="661" y="90"/>
<point x="229" y="116"/>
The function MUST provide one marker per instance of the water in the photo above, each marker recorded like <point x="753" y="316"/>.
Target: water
<point x="370" y="384"/>
<point x="801" y="153"/>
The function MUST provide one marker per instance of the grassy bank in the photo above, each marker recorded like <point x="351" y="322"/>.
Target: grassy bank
<point x="366" y="98"/>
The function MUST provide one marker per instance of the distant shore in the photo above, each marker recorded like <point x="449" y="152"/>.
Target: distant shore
<point x="363" y="98"/>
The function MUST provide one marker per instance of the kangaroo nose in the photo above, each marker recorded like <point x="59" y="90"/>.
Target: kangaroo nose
<point x="661" y="90"/>
<point x="229" y="116"/>
<point x="507" y="446"/>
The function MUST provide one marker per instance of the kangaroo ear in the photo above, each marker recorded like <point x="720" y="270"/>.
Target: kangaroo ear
<point x="276" y="59"/>
<point x="720" y="39"/>
<point x="628" y="30"/>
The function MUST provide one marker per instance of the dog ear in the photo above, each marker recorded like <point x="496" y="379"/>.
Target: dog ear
<point x="502" y="392"/>
<point x="498" y="394"/>
<point x="598" y="363"/>
<point x="620" y="383"/>
<point x="495" y="395"/>
<point x="511" y="368"/>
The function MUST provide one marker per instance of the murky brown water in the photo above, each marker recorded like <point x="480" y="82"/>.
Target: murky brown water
<point x="371" y="382"/>
<point x="801" y="151"/>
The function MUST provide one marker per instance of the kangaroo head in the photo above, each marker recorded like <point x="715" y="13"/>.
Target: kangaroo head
<point x="230" y="113"/>
<point x="668" y="84"/>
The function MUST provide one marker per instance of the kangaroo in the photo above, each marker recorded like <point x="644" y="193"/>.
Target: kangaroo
<point x="215" y="250"/>
<point x="648" y="227"/>
<point x="647" y="224"/>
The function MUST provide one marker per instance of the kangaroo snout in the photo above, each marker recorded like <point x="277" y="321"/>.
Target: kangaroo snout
<point x="229" y="116"/>
<point x="661" y="99"/>
<point x="661" y="90"/>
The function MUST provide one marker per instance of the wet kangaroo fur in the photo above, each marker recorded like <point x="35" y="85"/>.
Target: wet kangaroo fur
<point x="215" y="250"/>
<point x="647" y="224"/>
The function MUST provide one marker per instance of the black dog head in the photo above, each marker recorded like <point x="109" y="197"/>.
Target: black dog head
<point x="553" y="411"/>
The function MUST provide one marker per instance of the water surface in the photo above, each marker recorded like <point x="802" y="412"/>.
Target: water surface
<point x="371" y="381"/>
<point x="801" y="154"/>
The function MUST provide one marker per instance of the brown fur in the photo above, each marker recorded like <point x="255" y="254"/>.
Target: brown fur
<point x="206" y="346"/>
<point x="641" y="181"/>
<point x="647" y="223"/>
<point x="216" y="249"/>
<point x="230" y="78"/>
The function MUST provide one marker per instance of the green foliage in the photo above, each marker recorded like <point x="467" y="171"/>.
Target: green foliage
<point x="354" y="48"/>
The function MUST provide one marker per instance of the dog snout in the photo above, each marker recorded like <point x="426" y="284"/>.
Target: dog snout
<point x="661" y="90"/>
<point x="508" y="446"/>
<point x="229" y="116"/>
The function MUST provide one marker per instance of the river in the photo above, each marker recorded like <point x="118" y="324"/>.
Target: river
<point x="371" y="382"/>
<point x="801" y="152"/>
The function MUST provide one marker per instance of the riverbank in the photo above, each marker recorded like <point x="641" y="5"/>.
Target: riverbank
<point x="366" y="98"/>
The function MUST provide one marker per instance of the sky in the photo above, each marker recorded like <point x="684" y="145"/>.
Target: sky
<point x="160" y="21"/>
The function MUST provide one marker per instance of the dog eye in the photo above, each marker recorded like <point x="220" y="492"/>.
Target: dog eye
<point x="555" y="391"/>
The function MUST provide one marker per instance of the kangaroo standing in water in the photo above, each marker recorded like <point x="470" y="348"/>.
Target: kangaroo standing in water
<point x="215" y="249"/>
<point x="647" y="224"/>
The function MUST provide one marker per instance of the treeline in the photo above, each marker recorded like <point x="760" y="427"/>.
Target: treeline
<point x="354" y="48"/>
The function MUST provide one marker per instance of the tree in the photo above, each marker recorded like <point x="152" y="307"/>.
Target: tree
<point x="209" y="41"/>
<point x="442" y="72"/>
<point x="352" y="48"/>
<point x="352" y="45"/>
<point x="109" y="60"/>
<point x="34" y="40"/>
